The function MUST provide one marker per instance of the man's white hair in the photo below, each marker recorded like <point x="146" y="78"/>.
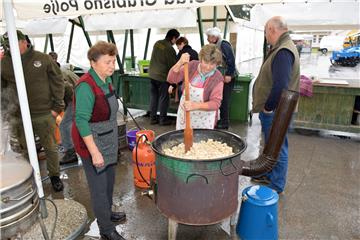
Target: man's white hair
<point x="214" y="31"/>
<point x="278" y="23"/>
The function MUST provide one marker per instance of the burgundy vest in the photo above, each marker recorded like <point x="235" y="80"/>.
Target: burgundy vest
<point x="101" y="112"/>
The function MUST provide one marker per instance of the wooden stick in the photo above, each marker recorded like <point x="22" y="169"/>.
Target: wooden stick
<point x="188" y="132"/>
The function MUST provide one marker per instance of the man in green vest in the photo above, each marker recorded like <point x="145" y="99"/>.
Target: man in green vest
<point x="280" y="70"/>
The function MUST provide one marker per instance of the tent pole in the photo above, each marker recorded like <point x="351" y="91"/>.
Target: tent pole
<point x="215" y="16"/>
<point x="147" y="43"/>
<point x="23" y="100"/>
<point x="75" y="23"/>
<point x="125" y="45"/>
<point x="108" y="36"/>
<point x="132" y="48"/>
<point x="226" y="23"/>
<point x="200" y="26"/>
<point x="85" y="32"/>
<point x="70" y="42"/>
<point x="46" y="43"/>
<point x="112" y="39"/>
<point x="51" y="42"/>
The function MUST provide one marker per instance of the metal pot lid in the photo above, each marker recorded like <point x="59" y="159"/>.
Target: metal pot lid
<point x="261" y="195"/>
<point x="13" y="171"/>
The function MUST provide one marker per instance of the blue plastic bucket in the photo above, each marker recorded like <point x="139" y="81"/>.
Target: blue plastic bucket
<point x="131" y="138"/>
<point x="258" y="217"/>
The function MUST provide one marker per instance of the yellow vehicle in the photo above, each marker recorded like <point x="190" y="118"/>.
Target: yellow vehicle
<point x="352" y="39"/>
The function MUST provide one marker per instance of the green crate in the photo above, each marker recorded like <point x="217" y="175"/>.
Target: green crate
<point x="128" y="64"/>
<point x="144" y="67"/>
<point x="239" y="102"/>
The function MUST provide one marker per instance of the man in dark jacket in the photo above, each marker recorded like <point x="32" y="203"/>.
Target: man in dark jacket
<point x="163" y="57"/>
<point x="228" y="69"/>
<point x="45" y="91"/>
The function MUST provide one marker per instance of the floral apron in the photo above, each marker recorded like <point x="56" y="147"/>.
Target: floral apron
<point x="199" y="119"/>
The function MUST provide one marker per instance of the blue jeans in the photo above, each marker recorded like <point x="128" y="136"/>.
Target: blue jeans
<point x="278" y="174"/>
<point x="65" y="128"/>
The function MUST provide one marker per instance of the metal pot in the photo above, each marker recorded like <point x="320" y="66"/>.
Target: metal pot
<point x="197" y="192"/>
<point x="19" y="199"/>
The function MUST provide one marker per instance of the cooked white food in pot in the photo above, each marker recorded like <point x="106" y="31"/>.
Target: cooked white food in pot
<point x="209" y="149"/>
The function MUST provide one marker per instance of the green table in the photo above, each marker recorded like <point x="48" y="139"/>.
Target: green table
<point x="331" y="107"/>
<point x="136" y="93"/>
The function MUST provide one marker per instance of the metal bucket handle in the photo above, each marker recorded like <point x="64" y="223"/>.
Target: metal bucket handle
<point x="8" y="199"/>
<point x="136" y="157"/>
<point x="131" y="129"/>
<point x="196" y="174"/>
<point x="228" y="174"/>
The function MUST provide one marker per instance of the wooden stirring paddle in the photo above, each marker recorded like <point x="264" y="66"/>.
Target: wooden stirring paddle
<point x="188" y="132"/>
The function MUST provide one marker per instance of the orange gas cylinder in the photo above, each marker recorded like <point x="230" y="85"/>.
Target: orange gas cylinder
<point x="143" y="159"/>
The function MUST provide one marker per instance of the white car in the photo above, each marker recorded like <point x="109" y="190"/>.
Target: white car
<point x="331" y="43"/>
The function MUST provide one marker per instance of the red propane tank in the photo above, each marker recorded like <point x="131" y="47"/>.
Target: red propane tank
<point x="143" y="159"/>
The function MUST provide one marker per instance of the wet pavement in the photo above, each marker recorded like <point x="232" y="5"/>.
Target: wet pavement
<point x="321" y="199"/>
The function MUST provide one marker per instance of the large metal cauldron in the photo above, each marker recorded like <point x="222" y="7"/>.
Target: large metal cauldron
<point x="197" y="192"/>
<point x="19" y="199"/>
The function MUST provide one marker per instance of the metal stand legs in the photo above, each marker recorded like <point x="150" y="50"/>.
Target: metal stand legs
<point x="172" y="229"/>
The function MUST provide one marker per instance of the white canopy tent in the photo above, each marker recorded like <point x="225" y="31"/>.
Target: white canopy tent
<point x="311" y="15"/>
<point x="160" y="15"/>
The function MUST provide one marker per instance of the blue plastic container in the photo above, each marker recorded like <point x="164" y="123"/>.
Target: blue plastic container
<point x="258" y="217"/>
<point x="131" y="138"/>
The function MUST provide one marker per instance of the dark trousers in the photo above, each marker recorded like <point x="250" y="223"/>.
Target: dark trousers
<point x="101" y="191"/>
<point x="225" y="103"/>
<point x="159" y="98"/>
<point x="44" y="127"/>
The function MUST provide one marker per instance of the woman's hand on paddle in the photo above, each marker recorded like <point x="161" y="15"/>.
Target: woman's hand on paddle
<point x="185" y="58"/>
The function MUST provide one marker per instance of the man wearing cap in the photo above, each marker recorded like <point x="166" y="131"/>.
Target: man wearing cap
<point x="45" y="91"/>
<point x="229" y="71"/>
<point x="280" y="70"/>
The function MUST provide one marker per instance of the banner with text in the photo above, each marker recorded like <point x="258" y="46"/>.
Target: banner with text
<point x="70" y="8"/>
